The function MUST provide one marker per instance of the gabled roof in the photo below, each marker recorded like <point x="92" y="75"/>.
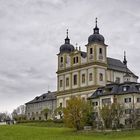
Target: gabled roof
<point x="116" y="89"/>
<point x="44" y="97"/>
<point x="115" y="64"/>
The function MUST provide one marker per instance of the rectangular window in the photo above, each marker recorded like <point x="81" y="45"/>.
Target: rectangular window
<point x="83" y="98"/>
<point x="91" y="51"/>
<point x="61" y="83"/>
<point x="128" y="121"/>
<point x="101" y="77"/>
<point x="138" y="111"/>
<point x="117" y="80"/>
<point x="128" y="111"/>
<point x="106" y="101"/>
<point x="77" y="59"/>
<point x="67" y="82"/>
<point x="60" y="104"/>
<point x="83" y="78"/>
<point x="95" y="103"/>
<point x="127" y="100"/>
<point x="138" y="100"/>
<point x="75" y="79"/>
<point x="74" y="60"/>
<point x="90" y="77"/>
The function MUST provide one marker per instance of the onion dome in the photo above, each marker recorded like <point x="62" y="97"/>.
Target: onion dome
<point x="96" y="36"/>
<point x="66" y="47"/>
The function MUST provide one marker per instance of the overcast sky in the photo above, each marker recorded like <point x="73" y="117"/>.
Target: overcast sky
<point x="31" y="32"/>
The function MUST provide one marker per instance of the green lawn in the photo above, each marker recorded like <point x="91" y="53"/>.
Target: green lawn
<point x="23" y="132"/>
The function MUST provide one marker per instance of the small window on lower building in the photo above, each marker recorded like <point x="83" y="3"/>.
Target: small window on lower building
<point x="128" y="111"/>
<point x="127" y="100"/>
<point x="128" y="121"/>
<point x="83" y="98"/>
<point x="95" y="103"/>
<point x="106" y="101"/>
<point x="60" y="104"/>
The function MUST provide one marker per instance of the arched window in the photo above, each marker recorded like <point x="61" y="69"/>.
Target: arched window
<point x="100" y="51"/>
<point x="61" y="83"/>
<point x="77" y="59"/>
<point x="74" y="60"/>
<point x="101" y="77"/>
<point x="91" y="51"/>
<point x="75" y="79"/>
<point x="61" y="60"/>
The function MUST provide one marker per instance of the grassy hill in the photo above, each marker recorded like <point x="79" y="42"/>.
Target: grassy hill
<point x="35" y="132"/>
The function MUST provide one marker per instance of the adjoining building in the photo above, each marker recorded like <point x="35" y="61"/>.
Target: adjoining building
<point x="35" y="107"/>
<point x="126" y="94"/>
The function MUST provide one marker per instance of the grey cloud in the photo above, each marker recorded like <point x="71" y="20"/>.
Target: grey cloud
<point x="31" y="32"/>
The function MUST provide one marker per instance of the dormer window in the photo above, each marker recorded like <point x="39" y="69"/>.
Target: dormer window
<point x="125" y="88"/>
<point x="37" y="98"/>
<point x="117" y="80"/>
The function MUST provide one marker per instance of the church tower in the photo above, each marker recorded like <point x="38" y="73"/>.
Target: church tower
<point x="96" y="53"/>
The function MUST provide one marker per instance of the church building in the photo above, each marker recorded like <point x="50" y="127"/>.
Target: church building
<point x="84" y="74"/>
<point x="81" y="73"/>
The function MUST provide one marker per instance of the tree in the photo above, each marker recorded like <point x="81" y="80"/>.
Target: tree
<point x="18" y="114"/>
<point x="4" y="116"/>
<point x="76" y="113"/>
<point x="45" y="112"/>
<point x="59" y="111"/>
<point x="111" y="115"/>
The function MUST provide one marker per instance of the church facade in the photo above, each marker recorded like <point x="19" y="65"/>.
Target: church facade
<point x="81" y="73"/>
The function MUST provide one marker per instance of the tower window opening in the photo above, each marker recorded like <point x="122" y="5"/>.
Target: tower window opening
<point x="91" y="51"/>
<point x="61" y="60"/>
<point x="101" y="77"/>
<point x="100" y="51"/>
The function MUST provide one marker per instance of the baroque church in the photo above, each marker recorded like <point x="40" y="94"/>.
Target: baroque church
<point x="81" y="74"/>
